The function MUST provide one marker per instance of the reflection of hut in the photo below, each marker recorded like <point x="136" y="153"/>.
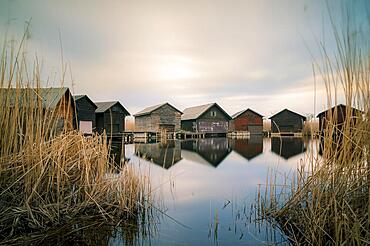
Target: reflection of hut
<point x="85" y="112"/>
<point x="287" y="147"/>
<point x="247" y="121"/>
<point x="117" y="151"/>
<point x="208" y="119"/>
<point x="248" y="148"/>
<point x="165" y="154"/>
<point x="162" y="117"/>
<point x="287" y="122"/>
<point x="337" y="116"/>
<point x="55" y="102"/>
<point x="110" y="116"/>
<point x="211" y="150"/>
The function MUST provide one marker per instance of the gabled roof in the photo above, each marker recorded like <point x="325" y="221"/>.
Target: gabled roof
<point x="243" y="111"/>
<point x="150" y="109"/>
<point x="78" y="97"/>
<point x="193" y="113"/>
<point x="303" y="117"/>
<point x="50" y="96"/>
<point x="340" y="106"/>
<point x="104" y="106"/>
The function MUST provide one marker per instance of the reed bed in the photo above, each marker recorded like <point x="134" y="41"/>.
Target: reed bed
<point x="51" y="174"/>
<point x="327" y="200"/>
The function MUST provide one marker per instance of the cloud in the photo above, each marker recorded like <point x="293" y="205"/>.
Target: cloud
<point x="239" y="53"/>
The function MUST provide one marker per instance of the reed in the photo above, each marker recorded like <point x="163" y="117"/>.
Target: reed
<point x="51" y="174"/>
<point x="327" y="200"/>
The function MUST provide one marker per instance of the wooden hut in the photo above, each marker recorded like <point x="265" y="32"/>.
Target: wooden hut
<point x="209" y="119"/>
<point x="85" y="113"/>
<point x="247" y="121"/>
<point x="110" y="116"/>
<point x="158" y="118"/>
<point x="287" y="122"/>
<point x="55" y="102"/>
<point x="337" y="115"/>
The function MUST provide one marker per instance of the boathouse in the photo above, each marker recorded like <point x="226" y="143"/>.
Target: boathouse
<point x="247" y="121"/>
<point x="287" y="122"/>
<point x="110" y="116"/>
<point x="55" y="101"/>
<point x="158" y="118"/>
<point x="209" y="119"/>
<point x="337" y="116"/>
<point x="85" y="114"/>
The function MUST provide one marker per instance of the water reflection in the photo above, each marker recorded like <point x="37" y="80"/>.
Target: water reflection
<point x="117" y="152"/>
<point x="248" y="148"/>
<point x="213" y="205"/>
<point x="287" y="147"/>
<point x="206" y="151"/>
<point x="165" y="154"/>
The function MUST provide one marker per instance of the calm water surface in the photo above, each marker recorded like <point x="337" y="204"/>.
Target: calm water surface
<point x="207" y="187"/>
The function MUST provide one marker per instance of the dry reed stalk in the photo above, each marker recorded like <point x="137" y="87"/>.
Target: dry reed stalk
<point x="51" y="175"/>
<point x="329" y="198"/>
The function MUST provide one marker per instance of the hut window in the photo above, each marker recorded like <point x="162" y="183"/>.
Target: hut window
<point x="115" y="109"/>
<point x="213" y="113"/>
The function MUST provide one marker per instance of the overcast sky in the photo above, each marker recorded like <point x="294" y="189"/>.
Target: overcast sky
<point x="240" y="54"/>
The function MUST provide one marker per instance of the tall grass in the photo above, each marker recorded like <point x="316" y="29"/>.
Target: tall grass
<point x="327" y="200"/>
<point x="50" y="176"/>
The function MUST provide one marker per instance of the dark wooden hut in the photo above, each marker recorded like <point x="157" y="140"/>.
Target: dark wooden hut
<point x="209" y="151"/>
<point x="158" y="118"/>
<point x="287" y="122"/>
<point x="337" y="115"/>
<point x="207" y="119"/>
<point x="110" y="116"/>
<point x="55" y="102"/>
<point x="85" y="113"/>
<point x="247" y="121"/>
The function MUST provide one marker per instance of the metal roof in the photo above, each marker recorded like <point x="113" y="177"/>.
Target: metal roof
<point x="242" y="112"/>
<point x="50" y="96"/>
<point x="304" y="117"/>
<point x="104" y="106"/>
<point x="340" y="107"/>
<point x="150" y="109"/>
<point x="78" y="97"/>
<point x="193" y="113"/>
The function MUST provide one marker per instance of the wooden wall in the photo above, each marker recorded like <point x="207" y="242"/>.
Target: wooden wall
<point x="287" y="122"/>
<point x="208" y="123"/>
<point x="164" y="117"/>
<point x="65" y="113"/>
<point x="111" y="121"/>
<point x="248" y="121"/>
<point x="85" y="111"/>
<point x="337" y="117"/>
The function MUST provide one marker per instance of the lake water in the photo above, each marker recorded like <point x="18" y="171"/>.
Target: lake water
<point x="207" y="187"/>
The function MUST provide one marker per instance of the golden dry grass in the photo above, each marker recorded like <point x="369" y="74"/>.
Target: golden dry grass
<point x="50" y="176"/>
<point x="327" y="200"/>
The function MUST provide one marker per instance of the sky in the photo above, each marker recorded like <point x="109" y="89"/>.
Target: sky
<point x="240" y="54"/>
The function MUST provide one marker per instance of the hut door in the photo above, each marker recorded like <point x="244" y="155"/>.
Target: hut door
<point x="86" y="126"/>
